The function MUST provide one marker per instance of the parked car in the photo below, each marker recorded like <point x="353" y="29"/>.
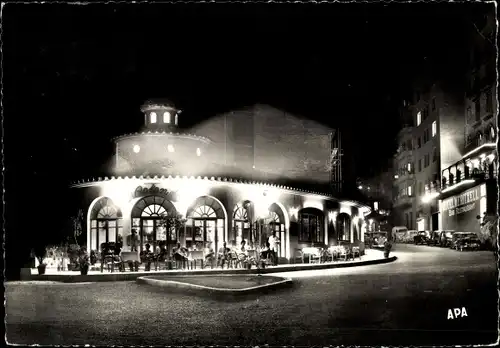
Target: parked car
<point x="445" y="238"/>
<point x="377" y="238"/>
<point x="465" y="240"/>
<point x="433" y="238"/>
<point x="399" y="233"/>
<point x="408" y="238"/>
<point x="421" y="238"/>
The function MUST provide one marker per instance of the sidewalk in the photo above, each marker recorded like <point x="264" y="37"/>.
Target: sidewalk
<point x="371" y="257"/>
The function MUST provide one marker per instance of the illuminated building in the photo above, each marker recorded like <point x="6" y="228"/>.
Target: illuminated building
<point x="469" y="184"/>
<point x="223" y="181"/>
<point x="432" y="139"/>
<point x="451" y="143"/>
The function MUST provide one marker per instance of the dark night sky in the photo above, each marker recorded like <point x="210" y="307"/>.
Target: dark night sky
<point x="76" y="75"/>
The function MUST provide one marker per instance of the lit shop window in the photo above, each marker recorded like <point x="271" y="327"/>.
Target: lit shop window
<point x="434" y="128"/>
<point x="419" y="118"/>
<point x="153" y="117"/>
<point x="176" y="119"/>
<point x="166" y="117"/>
<point x="170" y="148"/>
<point x="409" y="191"/>
<point x="198" y="152"/>
<point x="137" y="148"/>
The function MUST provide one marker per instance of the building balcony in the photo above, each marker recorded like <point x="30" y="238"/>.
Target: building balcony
<point x="403" y="176"/>
<point x="403" y="201"/>
<point x="482" y="135"/>
<point x="479" y="166"/>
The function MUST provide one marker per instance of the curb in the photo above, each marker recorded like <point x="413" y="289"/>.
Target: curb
<point x="119" y="276"/>
<point x="175" y="285"/>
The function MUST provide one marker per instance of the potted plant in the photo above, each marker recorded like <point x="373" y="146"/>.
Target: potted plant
<point x="73" y="252"/>
<point x="83" y="260"/>
<point x="40" y="253"/>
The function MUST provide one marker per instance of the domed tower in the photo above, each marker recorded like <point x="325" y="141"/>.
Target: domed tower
<point x="160" y="115"/>
<point x="160" y="149"/>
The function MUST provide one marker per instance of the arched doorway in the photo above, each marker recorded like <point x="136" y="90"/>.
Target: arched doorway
<point x="242" y="226"/>
<point x="146" y="221"/>
<point x="276" y="222"/>
<point x="344" y="227"/>
<point x="205" y="224"/>
<point x="311" y="226"/>
<point x="106" y="224"/>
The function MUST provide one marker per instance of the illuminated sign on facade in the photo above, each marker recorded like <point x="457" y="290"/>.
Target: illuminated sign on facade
<point x="142" y="191"/>
<point x="459" y="212"/>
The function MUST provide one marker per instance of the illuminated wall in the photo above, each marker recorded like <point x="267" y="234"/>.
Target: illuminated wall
<point x="183" y="192"/>
<point x="265" y="140"/>
<point x="162" y="154"/>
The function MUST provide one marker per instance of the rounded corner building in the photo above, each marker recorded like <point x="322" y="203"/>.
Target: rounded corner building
<point x="239" y="178"/>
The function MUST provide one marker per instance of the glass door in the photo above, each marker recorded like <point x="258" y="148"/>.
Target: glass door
<point x="147" y="233"/>
<point x="102" y="233"/>
<point x="210" y="235"/>
<point x="198" y="234"/>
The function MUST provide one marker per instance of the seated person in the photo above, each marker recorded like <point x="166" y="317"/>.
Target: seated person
<point x="180" y="254"/>
<point x="147" y="257"/>
<point x="209" y="252"/>
<point x="242" y="252"/>
<point x="265" y="253"/>
<point x="162" y="252"/>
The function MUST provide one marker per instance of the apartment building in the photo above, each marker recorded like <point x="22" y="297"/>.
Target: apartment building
<point x="469" y="184"/>
<point x="431" y="140"/>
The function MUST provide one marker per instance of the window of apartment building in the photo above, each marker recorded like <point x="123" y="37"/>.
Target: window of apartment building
<point x="409" y="145"/>
<point x="427" y="160"/>
<point x="434" y="128"/>
<point x="489" y="101"/>
<point x="425" y="112"/>
<point x="426" y="136"/>
<point x="375" y="206"/>
<point x="420" y="188"/>
<point x="419" y="118"/>
<point x="420" y="165"/>
<point x="478" y="109"/>
<point x="408" y="167"/>
<point x="419" y="142"/>
<point x="469" y="115"/>
<point x="409" y="190"/>
<point x="434" y="155"/>
<point x="433" y="103"/>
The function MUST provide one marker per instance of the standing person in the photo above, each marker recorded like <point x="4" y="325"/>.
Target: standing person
<point x="274" y="243"/>
<point x="133" y="241"/>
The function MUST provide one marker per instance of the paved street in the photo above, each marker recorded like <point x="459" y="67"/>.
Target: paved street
<point x="401" y="303"/>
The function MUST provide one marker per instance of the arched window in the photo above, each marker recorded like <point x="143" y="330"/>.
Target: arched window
<point x="205" y="224"/>
<point x="311" y="226"/>
<point x="106" y="224"/>
<point x="147" y="215"/>
<point x="343" y="227"/>
<point x="166" y="117"/>
<point x="153" y="117"/>
<point x="241" y="223"/>
<point x="276" y="223"/>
